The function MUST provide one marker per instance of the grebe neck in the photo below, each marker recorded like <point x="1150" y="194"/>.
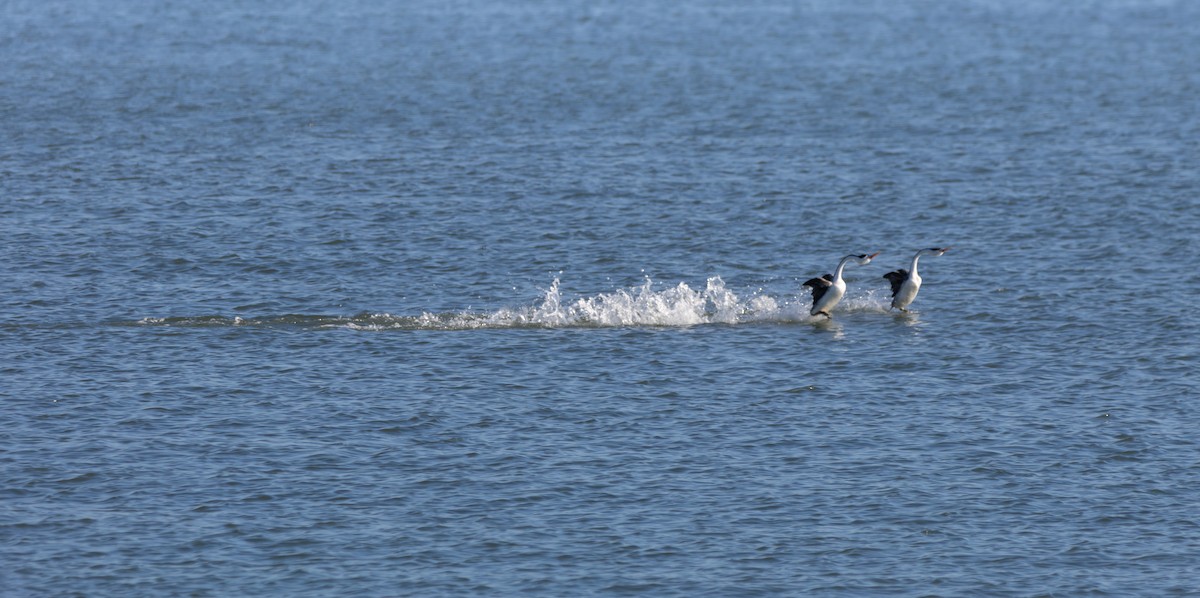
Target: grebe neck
<point x="837" y="274"/>
<point x="912" y="268"/>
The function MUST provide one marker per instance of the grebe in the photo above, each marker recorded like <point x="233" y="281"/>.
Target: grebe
<point x="828" y="290"/>
<point x="906" y="283"/>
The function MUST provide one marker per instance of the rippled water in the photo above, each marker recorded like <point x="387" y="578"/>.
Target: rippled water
<point x="488" y="298"/>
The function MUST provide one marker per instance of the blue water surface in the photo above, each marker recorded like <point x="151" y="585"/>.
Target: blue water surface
<point x="504" y="298"/>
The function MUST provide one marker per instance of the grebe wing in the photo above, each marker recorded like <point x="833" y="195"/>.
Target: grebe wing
<point x="897" y="279"/>
<point x="819" y="286"/>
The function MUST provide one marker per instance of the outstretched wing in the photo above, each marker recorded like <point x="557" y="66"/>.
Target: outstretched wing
<point x="897" y="279"/>
<point x="819" y="286"/>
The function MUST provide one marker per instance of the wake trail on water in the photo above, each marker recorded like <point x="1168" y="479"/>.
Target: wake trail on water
<point x="644" y="305"/>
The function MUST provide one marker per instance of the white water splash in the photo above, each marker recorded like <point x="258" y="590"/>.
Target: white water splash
<point x="676" y="306"/>
<point x="642" y="306"/>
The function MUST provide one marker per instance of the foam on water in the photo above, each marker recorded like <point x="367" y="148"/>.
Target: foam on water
<point x="645" y="305"/>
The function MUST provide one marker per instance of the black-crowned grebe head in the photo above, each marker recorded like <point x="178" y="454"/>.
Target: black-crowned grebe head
<point x="864" y="259"/>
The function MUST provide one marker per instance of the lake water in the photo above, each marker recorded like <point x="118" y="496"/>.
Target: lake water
<point x="504" y="297"/>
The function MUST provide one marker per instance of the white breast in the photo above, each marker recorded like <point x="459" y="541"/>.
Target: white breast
<point x="831" y="298"/>
<point x="908" y="292"/>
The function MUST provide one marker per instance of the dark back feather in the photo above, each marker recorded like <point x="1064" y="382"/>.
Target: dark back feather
<point x="819" y="286"/>
<point x="897" y="279"/>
